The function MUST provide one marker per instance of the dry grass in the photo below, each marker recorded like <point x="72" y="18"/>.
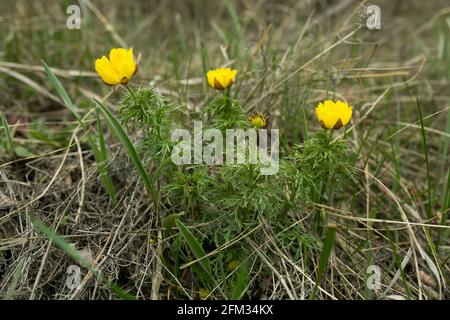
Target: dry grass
<point x="280" y="48"/>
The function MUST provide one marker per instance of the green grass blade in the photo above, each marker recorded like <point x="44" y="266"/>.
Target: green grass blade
<point x="236" y="24"/>
<point x="427" y="162"/>
<point x="446" y="198"/>
<point x="328" y="245"/>
<point x="118" y="291"/>
<point x="71" y="252"/>
<point x="397" y="261"/>
<point x="99" y="154"/>
<point x="195" y="246"/>
<point x="241" y="282"/>
<point x="203" y="56"/>
<point x="368" y="293"/>
<point x="61" y="91"/>
<point x="9" y="140"/>
<point x="16" y="277"/>
<point x="445" y="142"/>
<point x="220" y="32"/>
<point x="101" y="159"/>
<point x="168" y="222"/>
<point x="131" y="150"/>
<point x="443" y="233"/>
<point x="59" y="241"/>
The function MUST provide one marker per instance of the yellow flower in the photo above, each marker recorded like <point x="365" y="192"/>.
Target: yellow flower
<point x="333" y="115"/>
<point x="118" y="69"/>
<point x="221" y="79"/>
<point x="258" y="120"/>
<point x="233" y="265"/>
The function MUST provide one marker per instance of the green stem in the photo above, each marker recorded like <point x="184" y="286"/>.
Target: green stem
<point x="330" y="135"/>
<point x="226" y="98"/>
<point x="130" y="91"/>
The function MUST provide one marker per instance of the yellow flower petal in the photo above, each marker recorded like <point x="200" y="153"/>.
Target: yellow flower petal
<point x="210" y="76"/>
<point x="117" y="54"/>
<point x="345" y="111"/>
<point x="323" y="116"/>
<point x="333" y="115"/>
<point x="233" y="74"/>
<point x="106" y="71"/>
<point x="120" y="67"/>
<point x="220" y="82"/>
<point x="222" y="78"/>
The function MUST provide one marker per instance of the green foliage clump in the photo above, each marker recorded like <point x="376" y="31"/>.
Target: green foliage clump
<point x="324" y="159"/>
<point x="223" y="112"/>
<point x="146" y="109"/>
<point x="229" y="200"/>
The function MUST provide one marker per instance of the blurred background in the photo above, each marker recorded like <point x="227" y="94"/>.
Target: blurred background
<point x="179" y="40"/>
